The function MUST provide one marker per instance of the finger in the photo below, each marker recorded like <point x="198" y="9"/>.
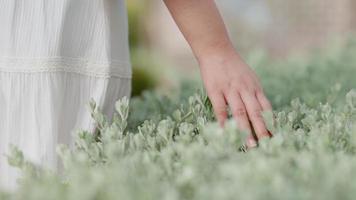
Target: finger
<point x="264" y="102"/>
<point x="238" y="111"/>
<point x="251" y="141"/>
<point x="219" y="105"/>
<point x="254" y="111"/>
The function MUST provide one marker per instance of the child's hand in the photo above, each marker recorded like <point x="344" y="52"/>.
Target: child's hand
<point x="228" y="80"/>
<point x="231" y="82"/>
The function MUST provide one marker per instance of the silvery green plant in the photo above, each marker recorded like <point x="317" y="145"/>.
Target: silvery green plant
<point x="160" y="147"/>
<point x="184" y="156"/>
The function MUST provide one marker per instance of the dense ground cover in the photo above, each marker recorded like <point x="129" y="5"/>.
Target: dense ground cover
<point x="171" y="148"/>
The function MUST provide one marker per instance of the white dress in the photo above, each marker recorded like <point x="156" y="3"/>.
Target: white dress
<point x="54" y="56"/>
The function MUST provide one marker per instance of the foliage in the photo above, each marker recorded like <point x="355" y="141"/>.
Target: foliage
<point x="325" y="76"/>
<point x="143" y="64"/>
<point x="136" y="15"/>
<point x="143" y="72"/>
<point x="171" y="148"/>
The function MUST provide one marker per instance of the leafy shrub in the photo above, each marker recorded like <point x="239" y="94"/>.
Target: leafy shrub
<point x="171" y="148"/>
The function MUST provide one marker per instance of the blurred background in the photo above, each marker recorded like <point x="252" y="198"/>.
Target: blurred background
<point x="280" y="28"/>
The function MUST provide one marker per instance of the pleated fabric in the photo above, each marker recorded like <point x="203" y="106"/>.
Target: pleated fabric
<point x="41" y="110"/>
<point x="55" y="55"/>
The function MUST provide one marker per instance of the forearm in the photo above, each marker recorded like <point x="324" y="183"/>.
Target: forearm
<point x="202" y="26"/>
<point x="227" y="79"/>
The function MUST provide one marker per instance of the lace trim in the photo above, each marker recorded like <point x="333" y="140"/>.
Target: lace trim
<point x="98" y="69"/>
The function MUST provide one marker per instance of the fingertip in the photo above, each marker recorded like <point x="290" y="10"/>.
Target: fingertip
<point x="221" y="121"/>
<point x="263" y="133"/>
<point x="251" y="142"/>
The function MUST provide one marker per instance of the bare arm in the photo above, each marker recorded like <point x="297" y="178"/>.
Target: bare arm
<point x="202" y="26"/>
<point x="229" y="81"/>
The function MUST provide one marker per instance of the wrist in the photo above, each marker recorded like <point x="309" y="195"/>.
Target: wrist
<point x="218" y="54"/>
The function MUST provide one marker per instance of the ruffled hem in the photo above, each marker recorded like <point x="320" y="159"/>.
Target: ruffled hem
<point x="41" y="110"/>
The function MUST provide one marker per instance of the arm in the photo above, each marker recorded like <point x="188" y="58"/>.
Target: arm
<point x="227" y="78"/>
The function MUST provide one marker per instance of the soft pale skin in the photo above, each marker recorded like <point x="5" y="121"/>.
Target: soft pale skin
<point x="228" y="80"/>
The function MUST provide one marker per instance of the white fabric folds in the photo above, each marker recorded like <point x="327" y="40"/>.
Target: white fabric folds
<point x="41" y="110"/>
<point x="55" y="55"/>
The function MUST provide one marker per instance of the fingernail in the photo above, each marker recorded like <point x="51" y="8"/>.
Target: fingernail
<point x="251" y="143"/>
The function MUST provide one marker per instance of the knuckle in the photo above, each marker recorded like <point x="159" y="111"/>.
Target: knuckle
<point x="237" y="85"/>
<point x="239" y="112"/>
<point x="259" y="91"/>
<point x="249" y="90"/>
<point x="268" y="105"/>
<point x="220" y="111"/>
<point x="256" y="114"/>
<point x="220" y="115"/>
<point x="212" y="92"/>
